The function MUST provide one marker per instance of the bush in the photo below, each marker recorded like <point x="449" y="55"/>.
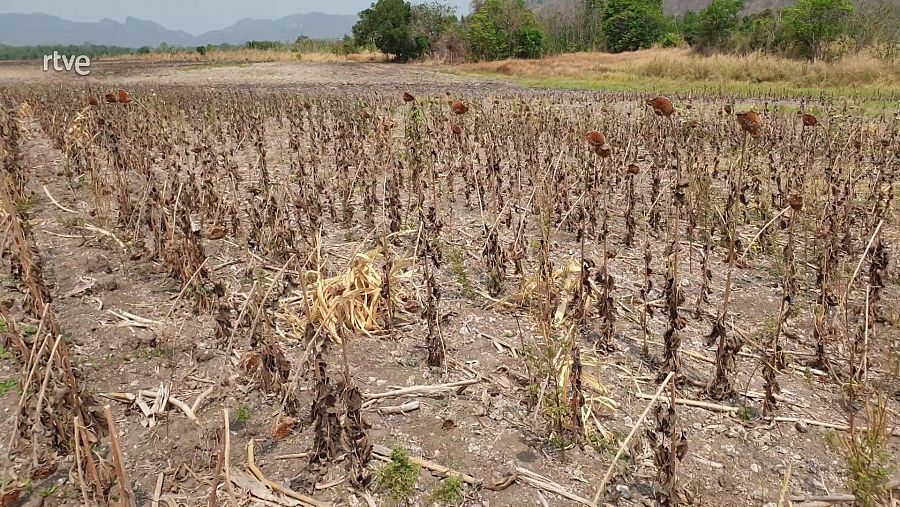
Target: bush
<point x="670" y="40"/>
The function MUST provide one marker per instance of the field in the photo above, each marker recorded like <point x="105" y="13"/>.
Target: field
<point x="328" y="283"/>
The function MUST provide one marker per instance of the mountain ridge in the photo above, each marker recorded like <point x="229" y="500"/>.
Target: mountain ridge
<point x="37" y="29"/>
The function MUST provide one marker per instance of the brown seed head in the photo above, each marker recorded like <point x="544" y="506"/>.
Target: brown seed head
<point x="596" y="139"/>
<point x="796" y="202"/>
<point x="123" y="97"/>
<point x="750" y="122"/>
<point x="661" y="106"/>
<point x="407" y="97"/>
<point x="808" y="119"/>
<point x="458" y="107"/>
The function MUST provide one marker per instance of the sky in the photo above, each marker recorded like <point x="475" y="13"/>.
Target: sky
<point x="192" y="16"/>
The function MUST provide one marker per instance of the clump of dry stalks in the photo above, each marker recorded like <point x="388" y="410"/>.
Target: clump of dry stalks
<point x="351" y="302"/>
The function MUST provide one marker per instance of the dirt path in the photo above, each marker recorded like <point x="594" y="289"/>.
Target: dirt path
<point x="318" y="76"/>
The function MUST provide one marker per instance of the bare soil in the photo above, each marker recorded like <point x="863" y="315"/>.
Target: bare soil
<point x="486" y="430"/>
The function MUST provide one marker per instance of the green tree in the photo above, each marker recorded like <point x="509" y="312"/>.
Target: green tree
<point x="688" y="25"/>
<point x="758" y="32"/>
<point x="387" y="25"/>
<point x="430" y="21"/>
<point x="503" y="29"/>
<point x="717" y="21"/>
<point x="810" y="25"/>
<point x="629" y="25"/>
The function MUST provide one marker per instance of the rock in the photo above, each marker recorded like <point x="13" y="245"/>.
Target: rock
<point x="732" y="432"/>
<point x="623" y="491"/>
<point x="754" y="468"/>
<point x="801" y="426"/>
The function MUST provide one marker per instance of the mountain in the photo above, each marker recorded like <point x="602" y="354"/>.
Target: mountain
<point x="314" y="25"/>
<point x="38" y="29"/>
<point x="43" y="29"/>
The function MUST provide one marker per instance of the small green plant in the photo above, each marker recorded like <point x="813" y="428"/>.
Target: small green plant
<point x="25" y="206"/>
<point x="448" y="492"/>
<point x="398" y="477"/>
<point x="4" y="354"/>
<point x="869" y="464"/>
<point x="49" y="491"/>
<point x="7" y="385"/>
<point x="744" y="413"/>
<point x="456" y="257"/>
<point x="29" y="329"/>
<point x="243" y="413"/>
<point x="3" y="326"/>
<point x="602" y="444"/>
<point x="831" y="438"/>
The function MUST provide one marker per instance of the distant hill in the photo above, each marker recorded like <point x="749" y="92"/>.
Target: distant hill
<point x="314" y="25"/>
<point x="43" y="29"/>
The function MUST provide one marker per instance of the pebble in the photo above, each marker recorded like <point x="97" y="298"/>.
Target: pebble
<point x="623" y="491"/>
<point x="801" y="426"/>
<point x="754" y="468"/>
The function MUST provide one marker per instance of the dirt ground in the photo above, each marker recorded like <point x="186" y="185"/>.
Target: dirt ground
<point x="322" y="76"/>
<point x="129" y="331"/>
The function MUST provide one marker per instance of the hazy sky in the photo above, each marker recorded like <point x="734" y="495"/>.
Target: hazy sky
<point x="192" y="16"/>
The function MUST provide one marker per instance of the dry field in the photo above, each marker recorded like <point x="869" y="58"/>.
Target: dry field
<point x="677" y="69"/>
<point x="361" y="284"/>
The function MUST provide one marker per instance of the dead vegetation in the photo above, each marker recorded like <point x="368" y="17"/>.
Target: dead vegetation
<point x="304" y="234"/>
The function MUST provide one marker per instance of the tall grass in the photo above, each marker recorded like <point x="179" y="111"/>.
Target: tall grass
<point x="683" y="64"/>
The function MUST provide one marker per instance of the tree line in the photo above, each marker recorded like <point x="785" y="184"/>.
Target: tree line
<point x="498" y="29"/>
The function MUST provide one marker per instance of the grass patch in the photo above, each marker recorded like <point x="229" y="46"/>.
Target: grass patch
<point x="448" y="492"/>
<point x="7" y="385"/>
<point x="243" y="413"/>
<point x="398" y="478"/>
<point x="456" y="257"/>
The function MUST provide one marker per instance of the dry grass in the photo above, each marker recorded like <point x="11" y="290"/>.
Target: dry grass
<point x="246" y="55"/>
<point x="682" y="64"/>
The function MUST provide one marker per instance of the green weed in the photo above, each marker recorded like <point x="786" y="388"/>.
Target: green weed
<point x="448" y="492"/>
<point x="398" y="478"/>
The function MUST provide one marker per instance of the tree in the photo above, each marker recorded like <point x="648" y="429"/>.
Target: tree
<point x="758" y="32"/>
<point x="431" y="21"/>
<point x="503" y="29"/>
<point x="717" y="21"/>
<point x="876" y="25"/>
<point x="572" y="25"/>
<point x="688" y="25"/>
<point x="387" y="26"/>
<point x="629" y="25"/>
<point x="810" y="25"/>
